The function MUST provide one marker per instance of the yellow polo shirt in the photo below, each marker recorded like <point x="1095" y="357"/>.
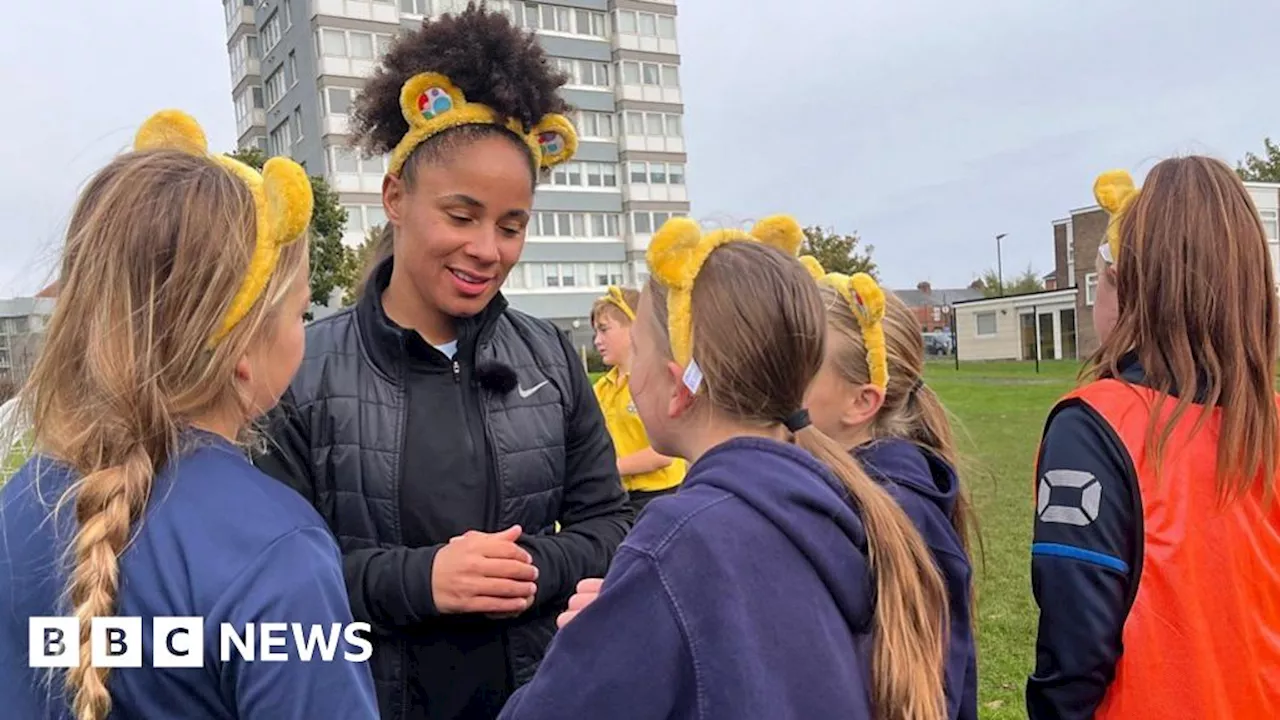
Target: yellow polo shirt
<point x="614" y="395"/>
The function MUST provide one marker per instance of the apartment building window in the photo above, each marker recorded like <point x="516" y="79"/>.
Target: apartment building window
<point x="344" y="160"/>
<point x="515" y="277"/>
<point x="291" y="69"/>
<point x="580" y="225"/>
<point x="1090" y="288"/>
<point x="553" y="18"/>
<point x="647" y="24"/>
<point x="338" y="100"/>
<point x="644" y="222"/>
<point x="295" y="123"/>
<point x="275" y="87"/>
<point x="608" y="274"/>
<point x="1269" y="224"/>
<point x="352" y="43"/>
<point x="271" y="32"/>
<point x="247" y="102"/>
<point x="654" y="124"/>
<point x="653" y="74"/>
<point x="363" y="218"/>
<point x="657" y="173"/>
<point x="985" y="324"/>
<point x="415" y="7"/>
<point x="280" y="140"/>
<point x="288" y="15"/>
<point x="584" y="72"/>
<point x="595" y="124"/>
<point x="585" y="174"/>
<point x="242" y="52"/>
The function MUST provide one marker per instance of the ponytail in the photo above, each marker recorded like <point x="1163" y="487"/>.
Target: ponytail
<point x="911" y="601"/>
<point x="107" y="503"/>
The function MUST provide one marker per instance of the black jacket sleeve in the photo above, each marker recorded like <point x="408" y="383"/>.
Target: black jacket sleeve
<point x="388" y="587"/>
<point x="595" y="515"/>
<point x="1085" y="561"/>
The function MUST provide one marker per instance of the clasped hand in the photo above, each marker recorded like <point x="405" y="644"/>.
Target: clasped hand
<point x="485" y="573"/>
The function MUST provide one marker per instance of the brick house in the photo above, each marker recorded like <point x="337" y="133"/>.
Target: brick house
<point x="1075" y="251"/>
<point x="932" y="307"/>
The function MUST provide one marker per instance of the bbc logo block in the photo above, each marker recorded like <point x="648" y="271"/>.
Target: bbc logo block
<point x="116" y="642"/>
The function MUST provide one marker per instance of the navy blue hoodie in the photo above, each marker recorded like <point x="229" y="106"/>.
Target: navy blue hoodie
<point x="925" y="486"/>
<point x="219" y="540"/>
<point x="745" y="595"/>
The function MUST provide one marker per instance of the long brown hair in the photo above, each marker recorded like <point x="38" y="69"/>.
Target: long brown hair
<point x="1197" y="303"/>
<point x="757" y="359"/>
<point x="911" y="410"/>
<point x="157" y="246"/>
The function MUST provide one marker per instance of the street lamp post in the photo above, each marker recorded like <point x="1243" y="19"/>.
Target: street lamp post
<point x="1000" y="264"/>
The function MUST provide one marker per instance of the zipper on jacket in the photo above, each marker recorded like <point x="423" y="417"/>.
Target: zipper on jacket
<point x="457" y="372"/>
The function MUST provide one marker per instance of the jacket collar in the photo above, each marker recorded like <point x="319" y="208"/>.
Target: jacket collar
<point x="393" y="348"/>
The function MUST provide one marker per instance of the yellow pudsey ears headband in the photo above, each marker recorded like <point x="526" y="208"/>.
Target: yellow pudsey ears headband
<point x="1115" y="192"/>
<point x="675" y="257"/>
<point x="866" y="300"/>
<point x="281" y="195"/>
<point x="431" y="104"/>
<point x="615" y="298"/>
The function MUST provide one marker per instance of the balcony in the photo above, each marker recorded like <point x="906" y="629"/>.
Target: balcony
<point x="383" y="12"/>
<point x="255" y="118"/>
<point x="654" y="143"/>
<point x="346" y="182"/>
<point x="249" y="68"/>
<point x="644" y="192"/>
<point x="346" y="67"/>
<point x="627" y="41"/>
<point x="336" y="125"/>
<point x="243" y="16"/>
<point x="649" y="93"/>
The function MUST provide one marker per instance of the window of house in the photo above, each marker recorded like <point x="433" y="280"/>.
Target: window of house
<point x="639" y="172"/>
<point x="642" y="223"/>
<point x="1090" y="288"/>
<point x="340" y="100"/>
<point x="627" y="22"/>
<point x="1269" y="223"/>
<point x="271" y="32"/>
<point x="986" y="323"/>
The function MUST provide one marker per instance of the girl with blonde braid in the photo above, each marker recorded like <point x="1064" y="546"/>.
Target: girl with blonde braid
<point x="870" y="397"/>
<point x="183" y="286"/>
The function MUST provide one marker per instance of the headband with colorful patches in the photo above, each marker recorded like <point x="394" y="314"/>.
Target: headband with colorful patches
<point x="1115" y="192"/>
<point x="431" y="104"/>
<point x="866" y="300"/>
<point x="676" y="255"/>
<point x="281" y="195"/>
<point x="616" y="299"/>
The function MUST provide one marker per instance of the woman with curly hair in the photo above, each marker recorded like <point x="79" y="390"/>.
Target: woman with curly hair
<point x="441" y="434"/>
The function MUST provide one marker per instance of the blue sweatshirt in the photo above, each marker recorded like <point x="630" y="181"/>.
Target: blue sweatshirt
<point x="219" y="540"/>
<point x="926" y="487"/>
<point x="745" y="595"/>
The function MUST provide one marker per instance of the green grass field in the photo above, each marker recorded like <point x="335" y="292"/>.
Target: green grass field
<point x="999" y="411"/>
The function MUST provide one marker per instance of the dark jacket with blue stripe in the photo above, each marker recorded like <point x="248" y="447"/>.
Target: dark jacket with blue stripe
<point x="1085" y="566"/>
<point x="401" y="448"/>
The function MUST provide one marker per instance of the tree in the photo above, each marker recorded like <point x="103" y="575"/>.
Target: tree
<point x="838" y="253"/>
<point x="1028" y="281"/>
<point x="330" y="260"/>
<point x="1261" y="169"/>
<point x="361" y="261"/>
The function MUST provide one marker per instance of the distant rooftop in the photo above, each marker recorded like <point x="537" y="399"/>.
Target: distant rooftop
<point x="916" y="297"/>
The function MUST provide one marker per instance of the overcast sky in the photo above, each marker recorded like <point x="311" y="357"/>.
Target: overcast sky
<point x="927" y="126"/>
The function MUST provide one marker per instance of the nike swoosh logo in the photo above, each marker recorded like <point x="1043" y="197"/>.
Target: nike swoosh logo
<point x="526" y="393"/>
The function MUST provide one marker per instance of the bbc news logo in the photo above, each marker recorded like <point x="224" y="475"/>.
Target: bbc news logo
<point x="178" y="642"/>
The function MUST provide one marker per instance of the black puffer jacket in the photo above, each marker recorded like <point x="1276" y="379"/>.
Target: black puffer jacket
<point x="400" y="448"/>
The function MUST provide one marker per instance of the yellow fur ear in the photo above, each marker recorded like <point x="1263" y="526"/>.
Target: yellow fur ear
<point x="289" y="199"/>
<point x="556" y="139"/>
<point x="868" y="307"/>
<point x="174" y="130"/>
<point x="814" y="267"/>
<point x="781" y="232"/>
<point x="1113" y="189"/>
<point x="868" y="298"/>
<point x="671" y="251"/>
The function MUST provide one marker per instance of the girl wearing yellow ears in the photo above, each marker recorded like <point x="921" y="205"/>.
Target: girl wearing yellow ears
<point x="646" y="474"/>
<point x="183" y="286"/>
<point x="870" y="397"/>
<point x="781" y="581"/>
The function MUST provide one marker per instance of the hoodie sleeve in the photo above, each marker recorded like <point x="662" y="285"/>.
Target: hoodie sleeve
<point x="388" y="587"/>
<point x="1084" y="555"/>
<point x="294" y="581"/>
<point x="639" y="675"/>
<point x="594" y="515"/>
